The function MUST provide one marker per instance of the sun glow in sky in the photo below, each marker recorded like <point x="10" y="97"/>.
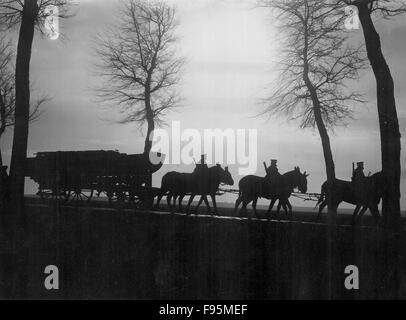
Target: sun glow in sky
<point x="230" y="48"/>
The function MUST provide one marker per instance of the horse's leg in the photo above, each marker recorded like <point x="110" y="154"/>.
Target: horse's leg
<point x="198" y="204"/>
<point x="254" y="206"/>
<point x="284" y="205"/>
<point x="244" y="207"/>
<point x="271" y="206"/>
<point x="168" y="200"/>
<point x="364" y="209"/>
<point x="189" y="202"/>
<point x="354" y="214"/>
<point x="207" y="203"/>
<point x="213" y="199"/>
<point x="289" y="206"/>
<point x="237" y="204"/>
<point x="180" y="201"/>
<point x="158" y="200"/>
<point x="245" y="204"/>
<point x="278" y="209"/>
<point x="321" y="208"/>
<point x="375" y="213"/>
<point x="173" y="206"/>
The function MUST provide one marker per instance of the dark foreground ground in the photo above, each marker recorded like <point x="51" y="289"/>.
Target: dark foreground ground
<point x="108" y="253"/>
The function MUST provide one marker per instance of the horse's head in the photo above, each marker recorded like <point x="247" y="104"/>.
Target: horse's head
<point x="225" y="175"/>
<point x="301" y="180"/>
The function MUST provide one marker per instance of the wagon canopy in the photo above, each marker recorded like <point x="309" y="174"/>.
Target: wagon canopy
<point x="65" y="165"/>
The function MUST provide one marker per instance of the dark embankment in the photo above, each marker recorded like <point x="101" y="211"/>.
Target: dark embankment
<point x="103" y="253"/>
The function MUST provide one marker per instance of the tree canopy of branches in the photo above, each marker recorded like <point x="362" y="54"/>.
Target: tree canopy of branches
<point x="7" y="97"/>
<point x="139" y="63"/>
<point x="28" y="15"/>
<point x="11" y="11"/>
<point x="386" y="103"/>
<point x="317" y="61"/>
<point x="7" y="92"/>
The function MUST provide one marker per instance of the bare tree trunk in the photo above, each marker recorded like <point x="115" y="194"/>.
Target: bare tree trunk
<point x="388" y="120"/>
<point x="3" y="122"/>
<point x="2" y="130"/>
<point x="325" y="141"/>
<point x="328" y="159"/>
<point x="330" y="171"/>
<point x="150" y="129"/>
<point x="22" y="107"/>
<point x="150" y="124"/>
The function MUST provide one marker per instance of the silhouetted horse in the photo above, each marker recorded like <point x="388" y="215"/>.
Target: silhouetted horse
<point x="254" y="187"/>
<point x="176" y="185"/>
<point x="344" y="191"/>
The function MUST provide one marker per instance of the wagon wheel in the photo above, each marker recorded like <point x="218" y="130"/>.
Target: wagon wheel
<point x="117" y="195"/>
<point x="144" y="197"/>
<point x="120" y="194"/>
<point x="82" y="194"/>
<point x="116" y="199"/>
<point x="133" y="195"/>
<point x="110" y="196"/>
<point x="65" y="195"/>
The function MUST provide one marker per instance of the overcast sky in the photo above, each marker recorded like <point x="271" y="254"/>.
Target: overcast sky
<point x="229" y="48"/>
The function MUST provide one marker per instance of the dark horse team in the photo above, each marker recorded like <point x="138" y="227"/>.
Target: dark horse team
<point x="363" y="192"/>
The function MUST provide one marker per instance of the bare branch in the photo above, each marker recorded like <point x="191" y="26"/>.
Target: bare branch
<point x="11" y="11"/>
<point x="7" y="90"/>
<point x="318" y="62"/>
<point x="384" y="8"/>
<point x="138" y="62"/>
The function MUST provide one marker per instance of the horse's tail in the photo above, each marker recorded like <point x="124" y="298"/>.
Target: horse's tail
<point x="322" y="195"/>
<point x="164" y="183"/>
<point x="240" y="187"/>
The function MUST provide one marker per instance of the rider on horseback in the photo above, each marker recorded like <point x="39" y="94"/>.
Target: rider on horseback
<point x="273" y="176"/>
<point x="358" y="182"/>
<point x="201" y="173"/>
<point x="273" y="171"/>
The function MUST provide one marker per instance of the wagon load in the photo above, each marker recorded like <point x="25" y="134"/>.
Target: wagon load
<point x="79" y="175"/>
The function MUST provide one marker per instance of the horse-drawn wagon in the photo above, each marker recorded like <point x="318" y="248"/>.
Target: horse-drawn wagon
<point x="78" y="175"/>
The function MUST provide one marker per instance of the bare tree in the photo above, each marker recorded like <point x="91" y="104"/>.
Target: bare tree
<point x="7" y="92"/>
<point x="317" y="61"/>
<point x="28" y="14"/>
<point x="7" y="97"/>
<point x="387" y="113"/>
<point x="139" y="64"/>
